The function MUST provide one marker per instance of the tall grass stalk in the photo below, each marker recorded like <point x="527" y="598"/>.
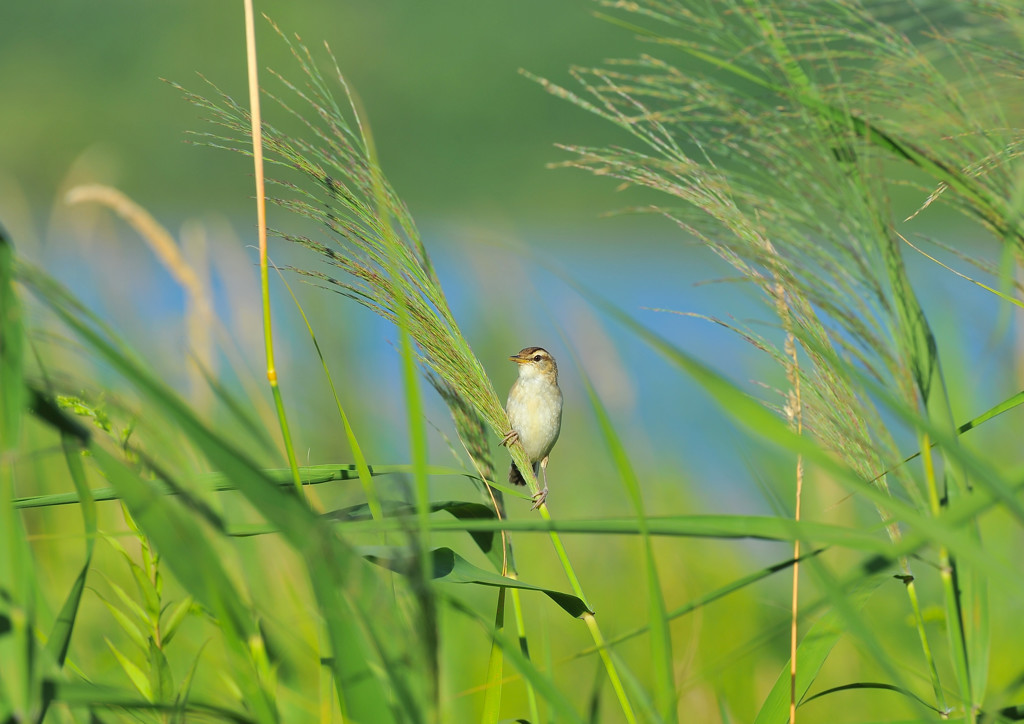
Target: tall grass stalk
<point x="795" y="414"/>
<point x="261" y="228"/>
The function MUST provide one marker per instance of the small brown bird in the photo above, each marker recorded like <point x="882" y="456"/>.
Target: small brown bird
<point x="535" y="411"/>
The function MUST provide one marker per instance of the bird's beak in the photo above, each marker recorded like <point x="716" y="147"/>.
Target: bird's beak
<point x="518" y="360"/>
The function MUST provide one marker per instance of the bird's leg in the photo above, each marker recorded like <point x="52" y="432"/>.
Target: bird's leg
<point x="511" y="438"/>
<point x="540" y="497"/>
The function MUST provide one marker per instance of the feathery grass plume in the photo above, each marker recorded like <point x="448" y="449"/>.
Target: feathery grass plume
<point x="335" y="158"/>
<point x="783" y="140"/>
<point x="783" y="131"/>
<point x="471" y="429"/>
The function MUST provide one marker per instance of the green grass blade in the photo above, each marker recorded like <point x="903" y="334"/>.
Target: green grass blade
<point x="860" y="685"/>
<point x="488" y="543"/>
<point x="218" y="482"/>
<point x="492" y="684"/>
<point x="926" y="530"/>
<point x="660" y="634"/>
<point x="134" y="673"/>
<point x="177" y="616"/>
<point x="18" y="650"/>
<point x="92" y="696"/>
<point x="196" y="564"/>
<point x="182" y="699"/>
<point x="814" y="649"/>
<point x="543" y="685"/>
<point x="447" y="566"/>
<point x="1002" y="295"/>
<point x="131" y="628"/>
<point x="362" y="467"/>
<point x="245" y="418"/>
<point x="15" y="636"/>
<point x="12" y="347"/>
<point x="304" y="531"/>
<point x="710" y="597"/>
<point x="524" y="648"/>
<point x="59" y="640"/>
<point x="637" y="693"/>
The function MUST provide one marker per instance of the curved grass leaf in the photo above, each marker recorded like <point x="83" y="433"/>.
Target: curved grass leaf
<point x="177" y="617"/>
<point x="449" y="567"/>
<point x="134" y="672"/>
<point x="873" y="685"/>
<point x="707" y="598"/>
<point x="130" y="627"/>
<point x="218" y="482"/>
<point x="461" y="510"/>
<point x="90" y="696"/>
<point x="814" y="648"/>
<point x="362" y="467"/>
<point x="946" y="528"/>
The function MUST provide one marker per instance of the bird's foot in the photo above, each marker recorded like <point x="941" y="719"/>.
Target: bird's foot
<point x="539" y="498"/>
<point x="511" y="438"/>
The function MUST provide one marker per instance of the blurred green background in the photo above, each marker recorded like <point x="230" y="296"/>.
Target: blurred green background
<point x="462" y="135"/>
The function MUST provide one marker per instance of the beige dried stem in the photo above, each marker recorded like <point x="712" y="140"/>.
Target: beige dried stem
<point x="199" y="315"/>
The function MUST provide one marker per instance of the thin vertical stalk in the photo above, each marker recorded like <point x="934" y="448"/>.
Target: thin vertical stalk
<point x="592" y="625"/>
<point x="517" y="606"/>
<point x="261" y="223"/>
<point x="955" y="624"/>
<point x="609" y="665"/>
<point x="797" y="412"/>
<point x="926" y="649"/>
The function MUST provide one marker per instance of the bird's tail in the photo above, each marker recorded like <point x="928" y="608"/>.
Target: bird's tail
<point x="516" y="478"/>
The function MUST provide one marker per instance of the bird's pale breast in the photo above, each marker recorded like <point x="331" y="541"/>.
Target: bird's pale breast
<point x="535" y="411"/>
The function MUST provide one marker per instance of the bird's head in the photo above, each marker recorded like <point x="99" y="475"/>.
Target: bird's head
<point x="535" y="361"/>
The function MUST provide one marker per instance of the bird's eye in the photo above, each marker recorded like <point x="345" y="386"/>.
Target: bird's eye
<point x="536" y="358"/>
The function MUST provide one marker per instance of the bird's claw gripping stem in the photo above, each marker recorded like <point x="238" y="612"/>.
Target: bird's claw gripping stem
<point x="539" y="498"/>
